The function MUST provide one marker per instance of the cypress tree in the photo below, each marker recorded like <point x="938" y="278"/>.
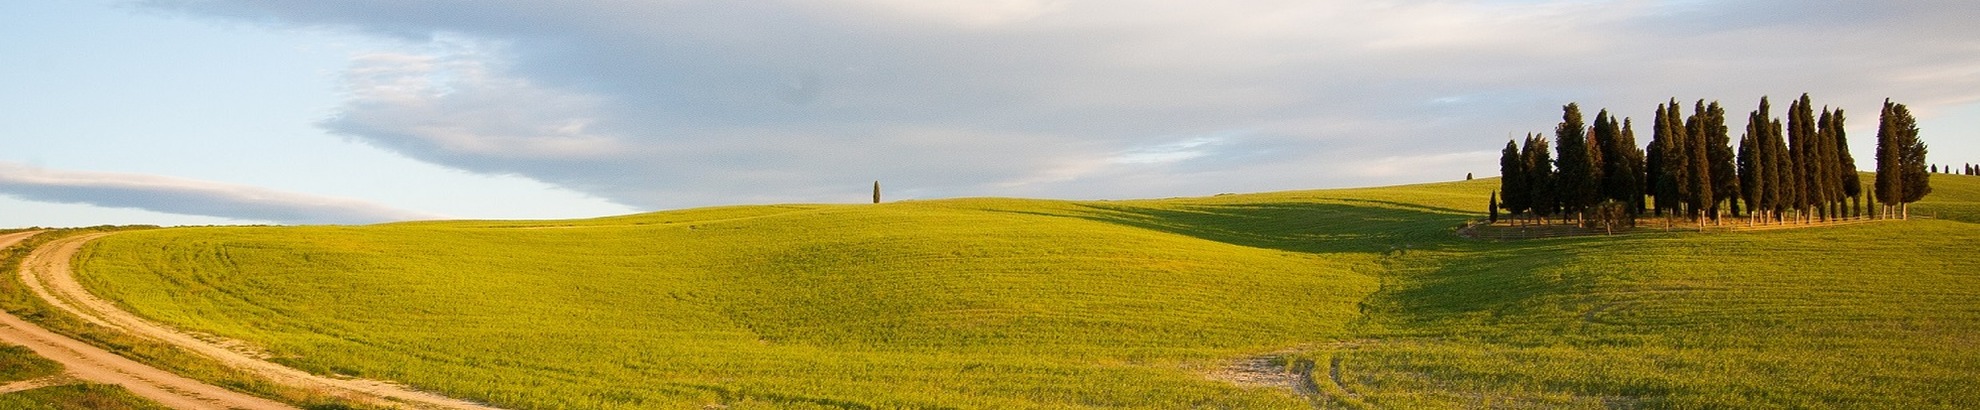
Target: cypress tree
<point x="1911" y="156"/>
<point x="1494" y="207"/>
<point x="1889" y="189"/>
<point x="1852" y="184"/>
<point x="1634" y="188"/>
<point x="1576" y="181"/>
<point x="1653" y="163"/>
<point x="1747" y="178"/>
<point x="1702" y="195"/>
<point x="1801" y="135"/>
<point x="1540" y="176"/>
<point x="1782" y="171"/>
<point x="1606" y="134"/>
<point x="876" y="192"/>
<point x="1673" y="171"/>
<point x="1512" y="179"/>
<point x="1719" y="151"/>
<point x="1757" y="156"/>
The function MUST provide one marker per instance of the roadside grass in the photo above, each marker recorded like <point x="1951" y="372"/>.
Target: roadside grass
<point x="1008" y="303"/>
<point x="18" y="363"/>
<point x="77" y="397"/>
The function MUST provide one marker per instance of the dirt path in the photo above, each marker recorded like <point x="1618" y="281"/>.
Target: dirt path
<point x="49" y="275"/>
<point x="88" y="363"/>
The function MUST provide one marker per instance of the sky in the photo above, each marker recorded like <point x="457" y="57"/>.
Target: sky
<point x="190" y="112"/>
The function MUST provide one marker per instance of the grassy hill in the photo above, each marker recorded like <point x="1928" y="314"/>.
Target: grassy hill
<point x="1008" y="303"/>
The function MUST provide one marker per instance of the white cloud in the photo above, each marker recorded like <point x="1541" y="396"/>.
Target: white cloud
<point x="665" y="104"/>
<point x="191" y="197"/>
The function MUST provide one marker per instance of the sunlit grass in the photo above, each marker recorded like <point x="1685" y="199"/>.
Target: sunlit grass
<point x="1006" y="303"/>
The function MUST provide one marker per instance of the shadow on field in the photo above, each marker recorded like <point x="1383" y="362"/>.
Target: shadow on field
<point x="1299" y="227"/>
<point x="1462" y="277"/>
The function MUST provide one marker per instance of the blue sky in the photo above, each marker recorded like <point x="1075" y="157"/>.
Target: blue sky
<point x="219" y="111"/>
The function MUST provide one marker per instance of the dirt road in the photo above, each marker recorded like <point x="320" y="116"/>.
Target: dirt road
<point x="88" y="363"/>
<point x="49" y="275"/>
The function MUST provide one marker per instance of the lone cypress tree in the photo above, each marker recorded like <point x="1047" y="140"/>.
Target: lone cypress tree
<point x="876" y="192"/>
<point x="1512" y="179"/>
<point x="1576" y="181"/>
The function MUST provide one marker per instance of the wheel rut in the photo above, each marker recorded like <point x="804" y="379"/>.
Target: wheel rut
<point x="49" y="274"/>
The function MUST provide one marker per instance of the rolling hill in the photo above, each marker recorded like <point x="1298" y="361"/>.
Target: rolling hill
<point x="1012" y="303"/>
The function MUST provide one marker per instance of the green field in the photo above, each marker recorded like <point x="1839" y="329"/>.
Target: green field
<point x="1008" y="303"/>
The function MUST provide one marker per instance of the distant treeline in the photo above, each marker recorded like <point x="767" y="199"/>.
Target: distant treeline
<point x="1801" y="171"/>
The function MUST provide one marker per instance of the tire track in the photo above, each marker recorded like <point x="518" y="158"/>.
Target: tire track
<point x="48" y="272"/>
<point x="85" y="362"/>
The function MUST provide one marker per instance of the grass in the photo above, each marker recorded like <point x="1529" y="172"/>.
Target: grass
<point x="18" y="363"/>
<point x="77" y="397"/>
<point x="1008" y="303"/>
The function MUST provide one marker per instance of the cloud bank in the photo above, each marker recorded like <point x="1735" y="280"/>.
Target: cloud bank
<point x="191" y="197"/>
<point x="680" y="103"/>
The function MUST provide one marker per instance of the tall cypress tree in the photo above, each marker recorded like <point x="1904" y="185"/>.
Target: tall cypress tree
<point x="1512" y="179"/>
<point x="1744" y="162"/>
<point x="1719" y="152"/>
<point x="1674" y="173"/>
<point x="1653" y="162"/>
<point x="1576" y="180"/>
<point x="1756" y="157"/>
<point x="1702" y="195"/>
<point x="1911" y="157"/>
<point x="1619" y="168"/>
<point x="1781" y="185"/>
<point x="1635" y="180"/>
<point x="1890" y="189"/>
<point x="1852" y="184"/>
<point x="1539" y="176"/>
<point x="1801" y="133"/>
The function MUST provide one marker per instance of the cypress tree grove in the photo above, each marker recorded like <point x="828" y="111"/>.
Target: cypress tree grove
<point x="1512" y="179"/>
<point x="1619" y="163"/>
<point x="1576" y="181"/>
<point x="1911" y="157"/>
<point x="1539" y="177"/>
<point x="1719" y="152"/>
<point x="1889" y="189"/>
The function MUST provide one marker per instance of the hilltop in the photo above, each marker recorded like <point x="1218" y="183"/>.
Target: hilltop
<point x="1015" y="303"/>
